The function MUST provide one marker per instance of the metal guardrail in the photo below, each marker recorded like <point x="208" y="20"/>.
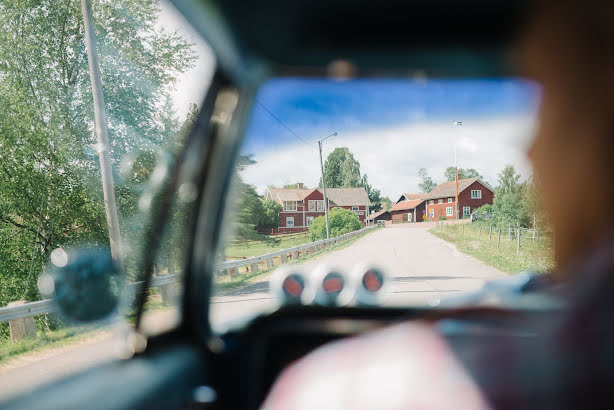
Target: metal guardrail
<point x="47" y="306"/>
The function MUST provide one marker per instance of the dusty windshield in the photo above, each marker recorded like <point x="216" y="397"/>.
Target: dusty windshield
<point x="426" y="181"/>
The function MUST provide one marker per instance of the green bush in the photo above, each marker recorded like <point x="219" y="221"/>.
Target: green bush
<point x="341" y="221"/>
<point x="442" y="218"/>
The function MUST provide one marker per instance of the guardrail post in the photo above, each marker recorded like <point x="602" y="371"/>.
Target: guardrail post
<point x="270" y="263"/>
<point x="253" y="267"/>
<point x="283" y="258"/>
<point x="294" y="255"/>
<point x="20" y="329"/>
<point x="232" y="272"/>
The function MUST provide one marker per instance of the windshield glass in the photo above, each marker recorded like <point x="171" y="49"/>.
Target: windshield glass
<point x="86" y="147"/>
<point x="427" y="180"/>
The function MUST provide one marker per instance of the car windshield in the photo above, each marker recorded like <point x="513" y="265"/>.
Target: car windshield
<point x="427" y="181"/>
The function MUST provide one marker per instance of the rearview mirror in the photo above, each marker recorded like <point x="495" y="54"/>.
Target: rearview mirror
<point x="84" y="283"/>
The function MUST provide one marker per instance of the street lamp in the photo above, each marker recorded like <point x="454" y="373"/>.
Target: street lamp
<point x="324" y="184"/>
<point x="458" y="124"/>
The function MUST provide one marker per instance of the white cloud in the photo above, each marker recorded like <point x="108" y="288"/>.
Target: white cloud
<point x="392" y="156"/>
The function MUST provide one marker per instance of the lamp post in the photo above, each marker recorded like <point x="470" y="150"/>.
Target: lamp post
<point x="458" y="125"/>
<point x="324" y="184"/>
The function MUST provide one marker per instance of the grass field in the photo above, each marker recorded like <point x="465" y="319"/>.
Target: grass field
<point x="247" y="249"/>
<point x="535" y="254"/>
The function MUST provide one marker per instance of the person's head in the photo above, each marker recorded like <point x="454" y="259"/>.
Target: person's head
<point x="568" y="47"/>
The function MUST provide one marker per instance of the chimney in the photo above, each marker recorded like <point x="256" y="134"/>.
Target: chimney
<point x="300" y="185"/>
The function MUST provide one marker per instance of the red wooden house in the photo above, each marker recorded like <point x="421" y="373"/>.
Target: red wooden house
<point x="301" y="206"/>
<point x="440" y="202"/>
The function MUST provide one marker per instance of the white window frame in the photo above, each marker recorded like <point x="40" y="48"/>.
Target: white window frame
<point x="450" y="200"/>
<point x="316" y="205"/>
<point x="355" y="208"/>
<point x="310" y="220"/>
<point x="440" y="201"/>
<point x="431" y="202"/>
<point x="449" y="211"/>
<point x="476" y="194"/>
<point x="466" y="210"/>
<point x="289" y="218"/>
<point x="286" y="208"/>
<point x="409" y="217"/>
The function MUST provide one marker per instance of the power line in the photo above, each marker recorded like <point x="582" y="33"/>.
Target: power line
<point x="284" y="125"/>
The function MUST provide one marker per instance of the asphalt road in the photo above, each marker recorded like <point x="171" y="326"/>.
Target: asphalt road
<point x="424" y="270"/>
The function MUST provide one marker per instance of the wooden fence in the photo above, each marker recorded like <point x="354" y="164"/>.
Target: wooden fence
<point x="511" y="233"/>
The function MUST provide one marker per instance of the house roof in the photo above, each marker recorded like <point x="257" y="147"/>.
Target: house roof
<point x="347" y="196"/>
<point x="406" y="205"/>
<point x="448" y="189"/>
<point x="338" y="196"/>
<point x="288" y="194"/>
<point x="410" y="197"/>
<point x="376" y="214"/>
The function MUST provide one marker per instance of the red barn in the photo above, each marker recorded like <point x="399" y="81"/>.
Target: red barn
<point x="408" y="211"/>
<point x="301" y="206"/>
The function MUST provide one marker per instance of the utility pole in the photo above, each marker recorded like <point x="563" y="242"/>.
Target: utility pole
<point x="100" y="119"/>
<point x="458" y="124"/>
<point x="324" y="185"/>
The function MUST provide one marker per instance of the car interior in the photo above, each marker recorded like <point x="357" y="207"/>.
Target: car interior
<point x="193" y="366"/>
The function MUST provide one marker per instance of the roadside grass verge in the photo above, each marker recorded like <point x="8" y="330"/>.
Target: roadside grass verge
<point x="225" y="283"/>
<point x="247" y="249"/>
<point x="45" y="340"/>
<point x="535" y="255"/>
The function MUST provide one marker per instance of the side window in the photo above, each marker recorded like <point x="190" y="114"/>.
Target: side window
<point x="450" y="200"/>
<point x="431" y="202"/>
<point x="466" y="210"/>
<point x="449" y="211"/>
<point x="476" y="194"/>
<point x="290" y="221"/>
<point x="312" y="205"/>
<point x="440" y="201"/>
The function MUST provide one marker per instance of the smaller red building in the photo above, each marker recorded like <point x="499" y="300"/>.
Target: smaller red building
<point x="408" y="211"/>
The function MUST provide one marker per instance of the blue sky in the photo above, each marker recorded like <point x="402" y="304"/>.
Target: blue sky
<point x="389" y="115"/>
<point x="313" y="108"/>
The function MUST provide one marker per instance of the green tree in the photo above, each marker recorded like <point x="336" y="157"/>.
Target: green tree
<point x="271" y="218"/>
<point x="427" y="184"/>
<point x="449" y="173"/>
<point x="508" y="180"/>
<point x="341" y="170"/>
<point x="508" y="200"/>
<point x="375" y="196"/>
<point x="50" y="191"/>
<point x="387" y="203"/>
<point x="340" y="221"/>
<point x="250" y="213"/>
